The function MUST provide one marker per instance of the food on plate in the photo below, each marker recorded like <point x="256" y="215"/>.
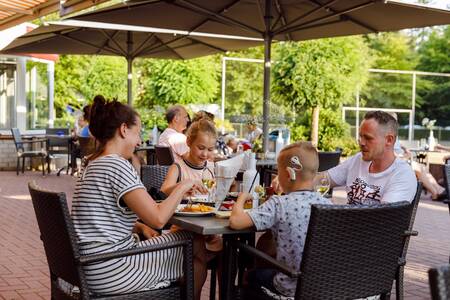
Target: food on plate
<point x="197" y="208"/>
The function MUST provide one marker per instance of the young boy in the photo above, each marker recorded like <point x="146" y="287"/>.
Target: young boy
<point x="287" y="216"/>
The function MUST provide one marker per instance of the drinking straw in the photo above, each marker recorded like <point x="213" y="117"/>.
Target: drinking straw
<point x="253" y="182"/>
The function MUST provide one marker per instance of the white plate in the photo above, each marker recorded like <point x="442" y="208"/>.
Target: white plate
<point x="178" y="212"/>
<point x="200" y="199"/>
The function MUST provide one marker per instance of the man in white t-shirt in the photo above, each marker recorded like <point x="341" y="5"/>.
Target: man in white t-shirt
<point x="173" y="137"/>
<point x="375" y="174"/>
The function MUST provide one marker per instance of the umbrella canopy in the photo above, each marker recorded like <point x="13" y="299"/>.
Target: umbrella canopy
<point x="273" y="19"/>
<point x="80" y="37"/>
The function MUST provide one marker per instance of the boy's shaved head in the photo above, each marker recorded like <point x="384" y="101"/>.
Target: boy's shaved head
<point x="307" y="155"/>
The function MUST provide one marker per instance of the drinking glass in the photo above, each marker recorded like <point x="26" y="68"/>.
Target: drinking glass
<point x="322" y="183"/>
<point x="209" y="182"/>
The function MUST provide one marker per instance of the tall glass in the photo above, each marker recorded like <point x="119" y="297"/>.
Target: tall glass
<point x="322" y="183"/>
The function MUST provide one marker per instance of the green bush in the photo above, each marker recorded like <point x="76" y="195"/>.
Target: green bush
<point x="333" y="132"/>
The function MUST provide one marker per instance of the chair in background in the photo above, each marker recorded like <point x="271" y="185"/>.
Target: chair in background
<point x="87" y="146"/>
<point x="447" y="182"/>
<point x="328" y="160"/>
<point x="164" y="155"/>
<point x="440" y="282"/>
<point x="153" y="176"/>
<point x="22" y="154"/>
<point x="58" y="143"/>
<point x="66" y="263"/>
<point x="407" y="235"/>
<point x="350" y="252"/>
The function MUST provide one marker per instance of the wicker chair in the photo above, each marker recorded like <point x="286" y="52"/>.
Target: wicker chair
<point x="22" y="154"/>
<point x="66" y="263"/>
<point x="447" y="182"/>
<point x="164" y="155"/>
<point x="87" y="145"/>
<point x="350" y="252"/>
<point x="410" y="232"/>
<point x="328" y="160"/>
<point x="440" y="282"/>
<point x="58" y="146"/>
<point x="153" y="176"/>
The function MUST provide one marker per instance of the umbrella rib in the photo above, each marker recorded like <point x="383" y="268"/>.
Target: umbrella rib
<point x="106" y="43"/>
<point x="152" y="47"/>
<point x="170" y="49"/>
<point x="281" y="17"/>
<point x="217" y="16"/>
<point x="88" y="44"/>
<point x="111" y="38"/>
<point x="336" y="14"/>
<point x="149" y="37"/>
<point x="290" y="24"/>
<point x="357" y="22"/>
<point x="206" y="44"/>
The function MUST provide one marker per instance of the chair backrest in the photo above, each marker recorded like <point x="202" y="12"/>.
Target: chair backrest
<point x="87" y="146"/>
<point x="17" y="139"/>
<point x="164" y="155"/>
<point x="153" y="176"/>
<point x="55" y="141"/>
<point x="57" y="233"/>
<point x="352" y="251"/>
<point x="328" y="160"/>
<point x="412" y="217"/>
<point x="440" y="282"/>
<point x="447" y="180"/>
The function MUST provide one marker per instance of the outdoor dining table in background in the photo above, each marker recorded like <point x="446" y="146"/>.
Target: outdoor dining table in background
<point x="208" y="225"/>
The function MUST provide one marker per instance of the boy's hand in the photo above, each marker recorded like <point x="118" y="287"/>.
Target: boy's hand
<point x="242" y="198"/>
<point x="276" y="186"/>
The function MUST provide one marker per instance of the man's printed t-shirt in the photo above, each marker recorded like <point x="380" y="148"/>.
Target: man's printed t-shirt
<point x="397" y="183"/>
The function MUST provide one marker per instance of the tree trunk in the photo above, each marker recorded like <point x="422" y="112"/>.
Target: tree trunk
<point x="315" y="125"/>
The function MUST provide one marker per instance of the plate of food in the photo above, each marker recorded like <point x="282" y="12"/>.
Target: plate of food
<point x="194" y="210"/>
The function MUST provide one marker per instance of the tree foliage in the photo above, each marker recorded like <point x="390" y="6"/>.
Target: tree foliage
<point x="393" y="51"/>
<point x="435" y="90"/>
<point x="166" y="82"/>
<point x="323" y="72"/>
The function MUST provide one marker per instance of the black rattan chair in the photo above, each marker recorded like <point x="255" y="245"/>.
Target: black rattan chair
<point x="447" y="182"/>
<point x="164" y="155"/>
<point x="22" y="154"/>
<point x="153" y="176"/>
<point x="350" y="252"/>
<point x="410" y="232"/>
<point x="58" y="143"/>
<point x="328" y="160"/>
<point x="440" y="282"/>
<point x="66" y="263"/>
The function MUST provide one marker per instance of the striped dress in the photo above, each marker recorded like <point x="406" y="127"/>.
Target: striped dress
<point x="103" y="223"/>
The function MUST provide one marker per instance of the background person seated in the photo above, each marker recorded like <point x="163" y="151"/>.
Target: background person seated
<point x="173" y="137"/>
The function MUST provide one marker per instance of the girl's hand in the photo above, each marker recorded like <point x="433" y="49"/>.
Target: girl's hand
<point x="194" y="186"/>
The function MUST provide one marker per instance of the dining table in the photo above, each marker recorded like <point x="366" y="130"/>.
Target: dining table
<point x="210" y="225"/>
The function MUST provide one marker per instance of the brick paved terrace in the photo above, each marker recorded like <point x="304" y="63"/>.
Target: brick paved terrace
<point x="23" y="267"/>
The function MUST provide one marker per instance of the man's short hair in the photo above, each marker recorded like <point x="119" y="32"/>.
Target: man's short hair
<point x="173" y="111"/>
<point x="383" y="118"/>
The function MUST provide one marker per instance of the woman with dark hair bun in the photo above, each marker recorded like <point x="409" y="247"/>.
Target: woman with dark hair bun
<point x="109" y="197"/>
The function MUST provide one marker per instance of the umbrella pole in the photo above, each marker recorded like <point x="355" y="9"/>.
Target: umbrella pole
<point x="267" y="53"/>
<point x="130" y="80"/>
<point x="129" y="68"/>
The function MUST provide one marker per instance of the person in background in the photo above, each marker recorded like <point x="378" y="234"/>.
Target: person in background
<point x="254" y="132"/>
<point x="423" y="175"/>
<point x="286" y="216"/>
<point x="173" y="137"/>
<point x="84" y="132"/>
<point x="109" y="197"/>
<point x="232" y="143"/>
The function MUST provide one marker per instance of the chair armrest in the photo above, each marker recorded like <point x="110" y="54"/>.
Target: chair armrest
<point x="411" y="233"/>
<point x="86" y="259"/>
<point x="270" y="260"/>
<point x="34" y="141"/>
